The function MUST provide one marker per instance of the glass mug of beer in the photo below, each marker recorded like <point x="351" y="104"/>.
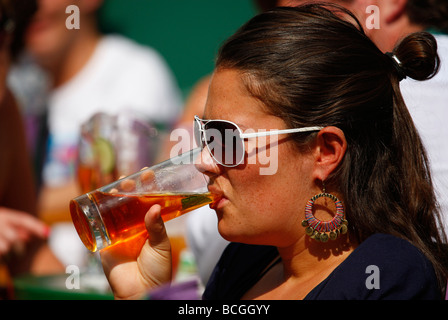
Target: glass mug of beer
<point x="115" y="213"/>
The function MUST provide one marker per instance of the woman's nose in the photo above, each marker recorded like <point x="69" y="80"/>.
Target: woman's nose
<point x="206" y="164"/>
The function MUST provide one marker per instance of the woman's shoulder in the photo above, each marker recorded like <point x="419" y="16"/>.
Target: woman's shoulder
<point x="381" y="267"/>
<point x="389" y="247"/>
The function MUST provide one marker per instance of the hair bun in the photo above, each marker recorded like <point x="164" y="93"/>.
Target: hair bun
<point x="418" y="56"/>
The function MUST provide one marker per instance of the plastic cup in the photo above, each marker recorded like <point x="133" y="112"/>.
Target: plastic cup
<point x="113" y="145"/>
<point x="115" y="213"/>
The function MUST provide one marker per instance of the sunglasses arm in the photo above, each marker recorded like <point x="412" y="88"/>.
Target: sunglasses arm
<point x="276" y="132"/>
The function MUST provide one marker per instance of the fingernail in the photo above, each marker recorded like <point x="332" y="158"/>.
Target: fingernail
<point x="47" y="231"/>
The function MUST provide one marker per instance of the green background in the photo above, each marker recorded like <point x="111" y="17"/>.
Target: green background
<point x="187" y="33"/>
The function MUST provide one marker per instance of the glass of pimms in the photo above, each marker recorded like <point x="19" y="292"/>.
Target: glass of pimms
<point x="115" y="213"/>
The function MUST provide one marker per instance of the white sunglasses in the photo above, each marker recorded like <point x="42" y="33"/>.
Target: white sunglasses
<point x="225" y="140"/>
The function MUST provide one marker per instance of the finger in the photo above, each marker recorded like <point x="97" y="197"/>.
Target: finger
<point x="4" y="247"/>
<point x="154" y="261"/>
<point x="28" y="224"/>
<point x="127" y="185"/>
<point x="155" y="226"/>
<point x="23" y="235"/>
<point x="147" y="176"/>
<point x="9" y="234"/>
<point x="35" y="227"/>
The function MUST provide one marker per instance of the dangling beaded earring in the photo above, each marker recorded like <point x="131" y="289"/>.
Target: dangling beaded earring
<point x="324" y="230"/>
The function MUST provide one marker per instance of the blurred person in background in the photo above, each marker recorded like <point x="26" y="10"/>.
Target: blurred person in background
<point x="85" y="72"/>
<point x="23" y="247"/>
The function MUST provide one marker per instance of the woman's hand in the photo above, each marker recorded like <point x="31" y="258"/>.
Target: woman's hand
<point x="133" y="267"/>
<point x="17" y="228"/>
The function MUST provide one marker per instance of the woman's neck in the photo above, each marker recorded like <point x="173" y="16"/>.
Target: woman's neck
<point x="310" y="257"/>
<point x="304" y="265"/>
<point x="75" y="58"/>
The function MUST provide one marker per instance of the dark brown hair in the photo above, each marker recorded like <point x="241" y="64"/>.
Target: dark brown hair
<point x="429" y="13"/>
<point x="313" y="65"/>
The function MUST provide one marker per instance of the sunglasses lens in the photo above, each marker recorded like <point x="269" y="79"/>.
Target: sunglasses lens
<point x="224" y="142"/>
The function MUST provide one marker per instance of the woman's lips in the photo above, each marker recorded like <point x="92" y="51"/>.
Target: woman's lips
<point x="221" y="202"/>
<point x="221" y="199"/>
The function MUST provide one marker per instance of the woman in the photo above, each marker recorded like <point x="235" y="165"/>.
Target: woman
<point x="349" y="212"/>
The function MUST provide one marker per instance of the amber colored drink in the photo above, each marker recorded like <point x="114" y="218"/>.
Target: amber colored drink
<point x="125" y="218"/>
<point x="91" y="178"/>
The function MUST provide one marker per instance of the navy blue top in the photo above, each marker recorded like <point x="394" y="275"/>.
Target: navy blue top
<point x="399" y="269"/>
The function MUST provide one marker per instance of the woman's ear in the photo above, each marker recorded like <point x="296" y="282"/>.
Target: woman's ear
<point x="329" y="151"/>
